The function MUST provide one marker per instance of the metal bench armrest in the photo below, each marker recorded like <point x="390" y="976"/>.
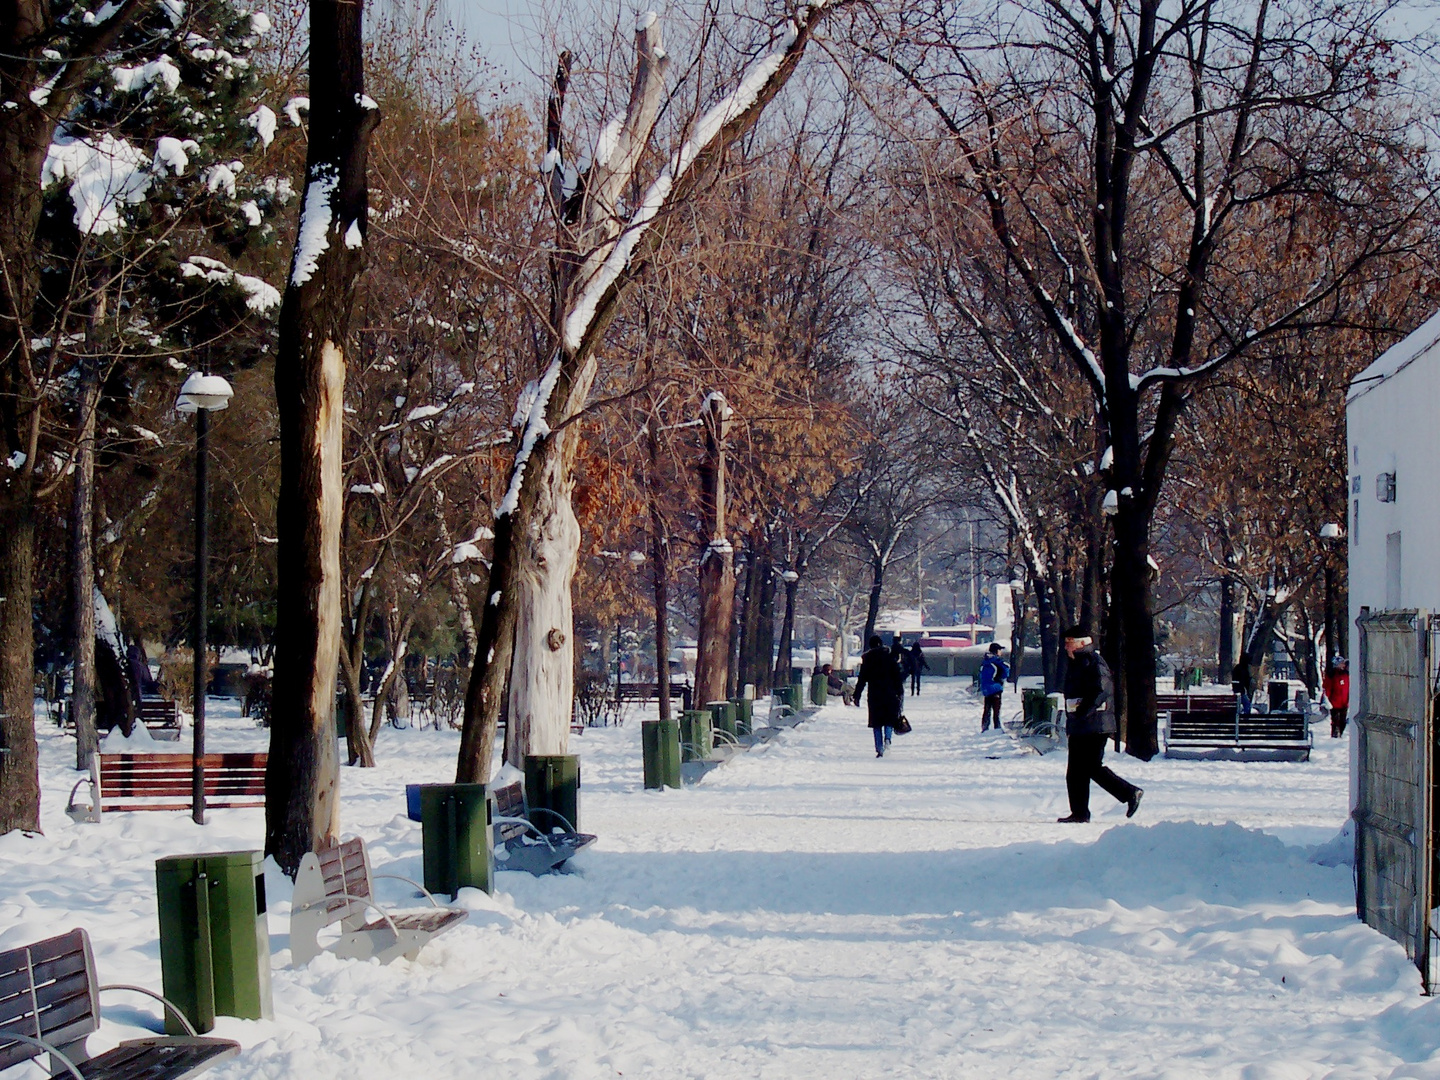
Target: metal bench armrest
<point x="70" y="805"/>
<point x="174" y="1009"/>
<point x="569" y="828"/>
<point x="526" y="822"/>
<point x="411" y="881"/>
<point x="49" y="1048"/>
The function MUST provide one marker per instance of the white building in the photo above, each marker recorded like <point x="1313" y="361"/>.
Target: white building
<point x="1392" y="417"/>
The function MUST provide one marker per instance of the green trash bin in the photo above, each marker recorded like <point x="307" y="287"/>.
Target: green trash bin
<point x="214" y="940"/>
<point x="722" y="716"/>
<point x="552" y="786"/>
<point x="1036" y="706"/>
<point x="696" y="739"/>
<point x="660" y="745"/>
<point x="797" y="695"/>
<point x="456" y="840"/>
<point x="819" y="689"/>
<point x="744" y="715"/>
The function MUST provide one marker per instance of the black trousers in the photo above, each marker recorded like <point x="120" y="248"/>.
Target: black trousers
<point x="1087" y="756"/>
<point x="992" y="708"/>
<point x="915" y="682"/>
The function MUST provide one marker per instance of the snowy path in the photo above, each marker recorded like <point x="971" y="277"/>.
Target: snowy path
<point x="809" y="911"/>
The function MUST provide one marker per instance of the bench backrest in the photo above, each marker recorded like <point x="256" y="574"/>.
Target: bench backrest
<point x="510" y="803"/>
<point x="48" y="991"/>
<point x="169" y="776"/>
<point x="159" y="711"/>
<point x="1196" y="702"/>
<point x="346" y="869"/>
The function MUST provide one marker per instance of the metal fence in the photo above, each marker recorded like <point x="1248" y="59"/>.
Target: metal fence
<point x="1394" y="811"/>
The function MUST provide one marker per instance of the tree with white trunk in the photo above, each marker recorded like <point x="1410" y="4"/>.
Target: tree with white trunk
<point x="609" y="224"/>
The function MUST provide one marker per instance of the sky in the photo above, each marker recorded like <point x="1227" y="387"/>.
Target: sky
<point x="508" y="30"/>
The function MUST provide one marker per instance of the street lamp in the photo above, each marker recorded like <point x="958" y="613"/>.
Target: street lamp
<point x="1330" y="532"/>
<point x="201" y="395"/>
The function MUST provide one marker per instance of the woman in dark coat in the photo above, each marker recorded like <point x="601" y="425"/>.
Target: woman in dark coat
<point x="881" y="674"/>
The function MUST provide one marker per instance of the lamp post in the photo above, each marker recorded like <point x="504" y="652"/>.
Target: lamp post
<point x="1330" y="532"/>
<point x="201" y="395"/>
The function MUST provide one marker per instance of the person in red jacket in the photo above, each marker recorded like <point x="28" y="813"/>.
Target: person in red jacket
<point x="1337" y="692"/>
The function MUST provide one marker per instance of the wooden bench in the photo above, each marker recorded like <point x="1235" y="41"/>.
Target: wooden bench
<point x="650" y="691"/>
<point x="333" y="885"/>
<point x="1211" y="727"/>
<point x="162" y="717"/>
<point x="122" y="782"/>
<point x="520" y="844"/>
<point x="50" y="1004"/>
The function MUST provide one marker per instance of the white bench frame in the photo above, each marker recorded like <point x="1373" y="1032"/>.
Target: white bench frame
<point x="346" y="897"/>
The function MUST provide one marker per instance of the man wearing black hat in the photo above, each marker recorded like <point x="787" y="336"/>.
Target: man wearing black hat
<point x="1089" y="721"/>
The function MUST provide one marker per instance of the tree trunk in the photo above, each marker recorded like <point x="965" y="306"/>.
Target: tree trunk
<point x="1017" y="637"/>
<point x="749" y="613"/>
<point x="786" y="652"/>
<point x="659" y="570"/>
<point x="19" y="768"/>
<point x="765" y="625"/>
<point x="1135" y="626"/>
<point x="82" y="566"/>
<point x="301" y="783"/>
<point x="542" y="689"/>
<point x="1227" y="627"/>
<point x="872" y="613"/>
<point x="734" y="685"/>
<point x="717" y="562"/>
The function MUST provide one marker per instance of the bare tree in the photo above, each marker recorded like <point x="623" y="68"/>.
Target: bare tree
<point x="526" y="633"/>
<point x="1123" y="157"/>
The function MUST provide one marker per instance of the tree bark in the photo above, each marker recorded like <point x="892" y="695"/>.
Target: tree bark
<point x="765" y="624"/>
<point x="659" y="569"/>
<point x="82" y="566"/>
<point x="302" y="783"/>
<point x="717" y="562"/>
<point x="1227" y="628"/>
<point x="785" y="654"/>
<point x="872" y="612"/>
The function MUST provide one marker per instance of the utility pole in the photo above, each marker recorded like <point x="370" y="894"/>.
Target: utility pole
<point x="717" y="561"/>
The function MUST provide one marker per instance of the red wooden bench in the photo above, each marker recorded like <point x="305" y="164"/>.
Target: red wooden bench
<point x="122" y="782"/>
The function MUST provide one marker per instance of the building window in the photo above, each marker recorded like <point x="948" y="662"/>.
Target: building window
<point x="1355" y="525"/>
<point x="1385" y="487"/>
<point x="1355" y="484"/>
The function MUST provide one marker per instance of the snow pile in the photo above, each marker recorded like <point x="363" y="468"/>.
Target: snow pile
<point x="807" y="912"/>
<point x="260" y="295"/>
<point x="105" y="174"/>
<point x="161" y="70"/>
<point x="314" y="225"/>
<point x="263" y="120"/>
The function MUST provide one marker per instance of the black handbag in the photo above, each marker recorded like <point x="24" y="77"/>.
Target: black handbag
<point x="902" y="726"/>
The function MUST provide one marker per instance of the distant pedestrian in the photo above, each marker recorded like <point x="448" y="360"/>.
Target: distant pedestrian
<point x="1089" y="721"/>
<point x="1337" y="692"/>
<point x="880" y="674"/>
<point x="835" y="683"/>
<point x="918" y="663"/>
<point x="993" y="673"/>
<point x="1243" y="680"/>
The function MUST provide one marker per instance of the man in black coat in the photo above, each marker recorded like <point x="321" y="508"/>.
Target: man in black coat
<point x="918" y="663"/>
<point x="1089" y="721"/>
<point x="880" y="673"/>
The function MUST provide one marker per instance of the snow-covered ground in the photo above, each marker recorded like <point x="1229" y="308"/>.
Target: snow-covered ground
<point x="809" y="911"/>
